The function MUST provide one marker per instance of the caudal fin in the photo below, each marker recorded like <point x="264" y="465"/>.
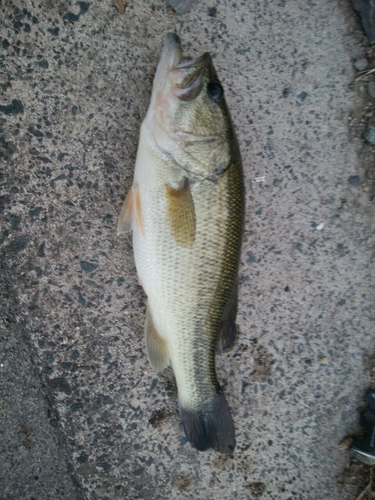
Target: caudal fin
<point x="210" y="428"/>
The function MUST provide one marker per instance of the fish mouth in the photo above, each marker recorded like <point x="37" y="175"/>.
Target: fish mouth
<point x="178" y="78"/>
<point x="185" y="73"/>
<point x="171" y="54"/>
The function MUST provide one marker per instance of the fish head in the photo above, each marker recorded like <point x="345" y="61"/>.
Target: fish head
<point x="188" y="118"/>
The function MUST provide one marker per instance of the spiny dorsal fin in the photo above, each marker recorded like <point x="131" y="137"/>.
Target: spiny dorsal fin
<point x="131" y="212"/>
<point x="157" y="350"/>
<point x="181" y="213"/>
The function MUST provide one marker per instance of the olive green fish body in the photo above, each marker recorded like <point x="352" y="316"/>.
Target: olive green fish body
<point x="186" y="212"/>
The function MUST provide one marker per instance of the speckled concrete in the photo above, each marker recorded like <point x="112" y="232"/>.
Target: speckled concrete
<point x="75" y="85"/>
<point x="33" y="455"/>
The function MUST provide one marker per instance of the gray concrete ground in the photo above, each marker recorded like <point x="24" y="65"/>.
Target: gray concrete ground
<point x="75" y="84"/>
<point x="34" y="459"/>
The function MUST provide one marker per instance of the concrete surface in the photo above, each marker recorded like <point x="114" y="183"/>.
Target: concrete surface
<point x="75" y="85"/>
<point x="34" y="460"/>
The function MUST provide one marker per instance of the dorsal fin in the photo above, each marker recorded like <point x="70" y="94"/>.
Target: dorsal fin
<point x="228" y="331"/>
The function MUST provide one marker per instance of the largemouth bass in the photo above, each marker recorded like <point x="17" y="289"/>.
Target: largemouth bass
<point x="186" y="211"/>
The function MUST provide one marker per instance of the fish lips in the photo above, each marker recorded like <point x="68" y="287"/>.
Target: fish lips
<point x="191" y="71"/>
<point x="184" y="72"/>
<point x="171" y="54"/>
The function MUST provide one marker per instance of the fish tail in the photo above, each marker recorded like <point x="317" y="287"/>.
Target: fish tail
<point x="210" y="428"/>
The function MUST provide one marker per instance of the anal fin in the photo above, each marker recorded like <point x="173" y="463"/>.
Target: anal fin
<point x="131" y="212"/>
<point x="157" y="350"/>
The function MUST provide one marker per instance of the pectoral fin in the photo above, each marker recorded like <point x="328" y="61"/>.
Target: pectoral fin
<point x="157" y="350"/>
<point x="181" y="213"/>
<point x="228" y="331"/>
<point x="131" y="212"/>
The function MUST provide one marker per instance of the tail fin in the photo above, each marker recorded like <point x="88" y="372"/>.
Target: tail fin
<point x="210" y="428"/>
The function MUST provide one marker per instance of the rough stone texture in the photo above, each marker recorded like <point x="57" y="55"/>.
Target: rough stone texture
<point x="76" y="81"/>
<point x="34" y="461"/>
<point x="371" y="89"/>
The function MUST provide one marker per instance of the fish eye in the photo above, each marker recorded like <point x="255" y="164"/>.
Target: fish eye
<point x="215" y="91"/>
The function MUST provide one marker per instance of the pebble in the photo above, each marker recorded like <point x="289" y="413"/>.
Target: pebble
<point x="182" y="6"/>
<point x="371" y="89"/>
<point x="361" y="64"/>
<point x="369" y="134"/>
<point x="345" y="443"/>
<point x="354" y="180"/>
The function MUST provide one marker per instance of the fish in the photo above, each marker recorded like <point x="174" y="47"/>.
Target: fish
<point x="186" y="213"/>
